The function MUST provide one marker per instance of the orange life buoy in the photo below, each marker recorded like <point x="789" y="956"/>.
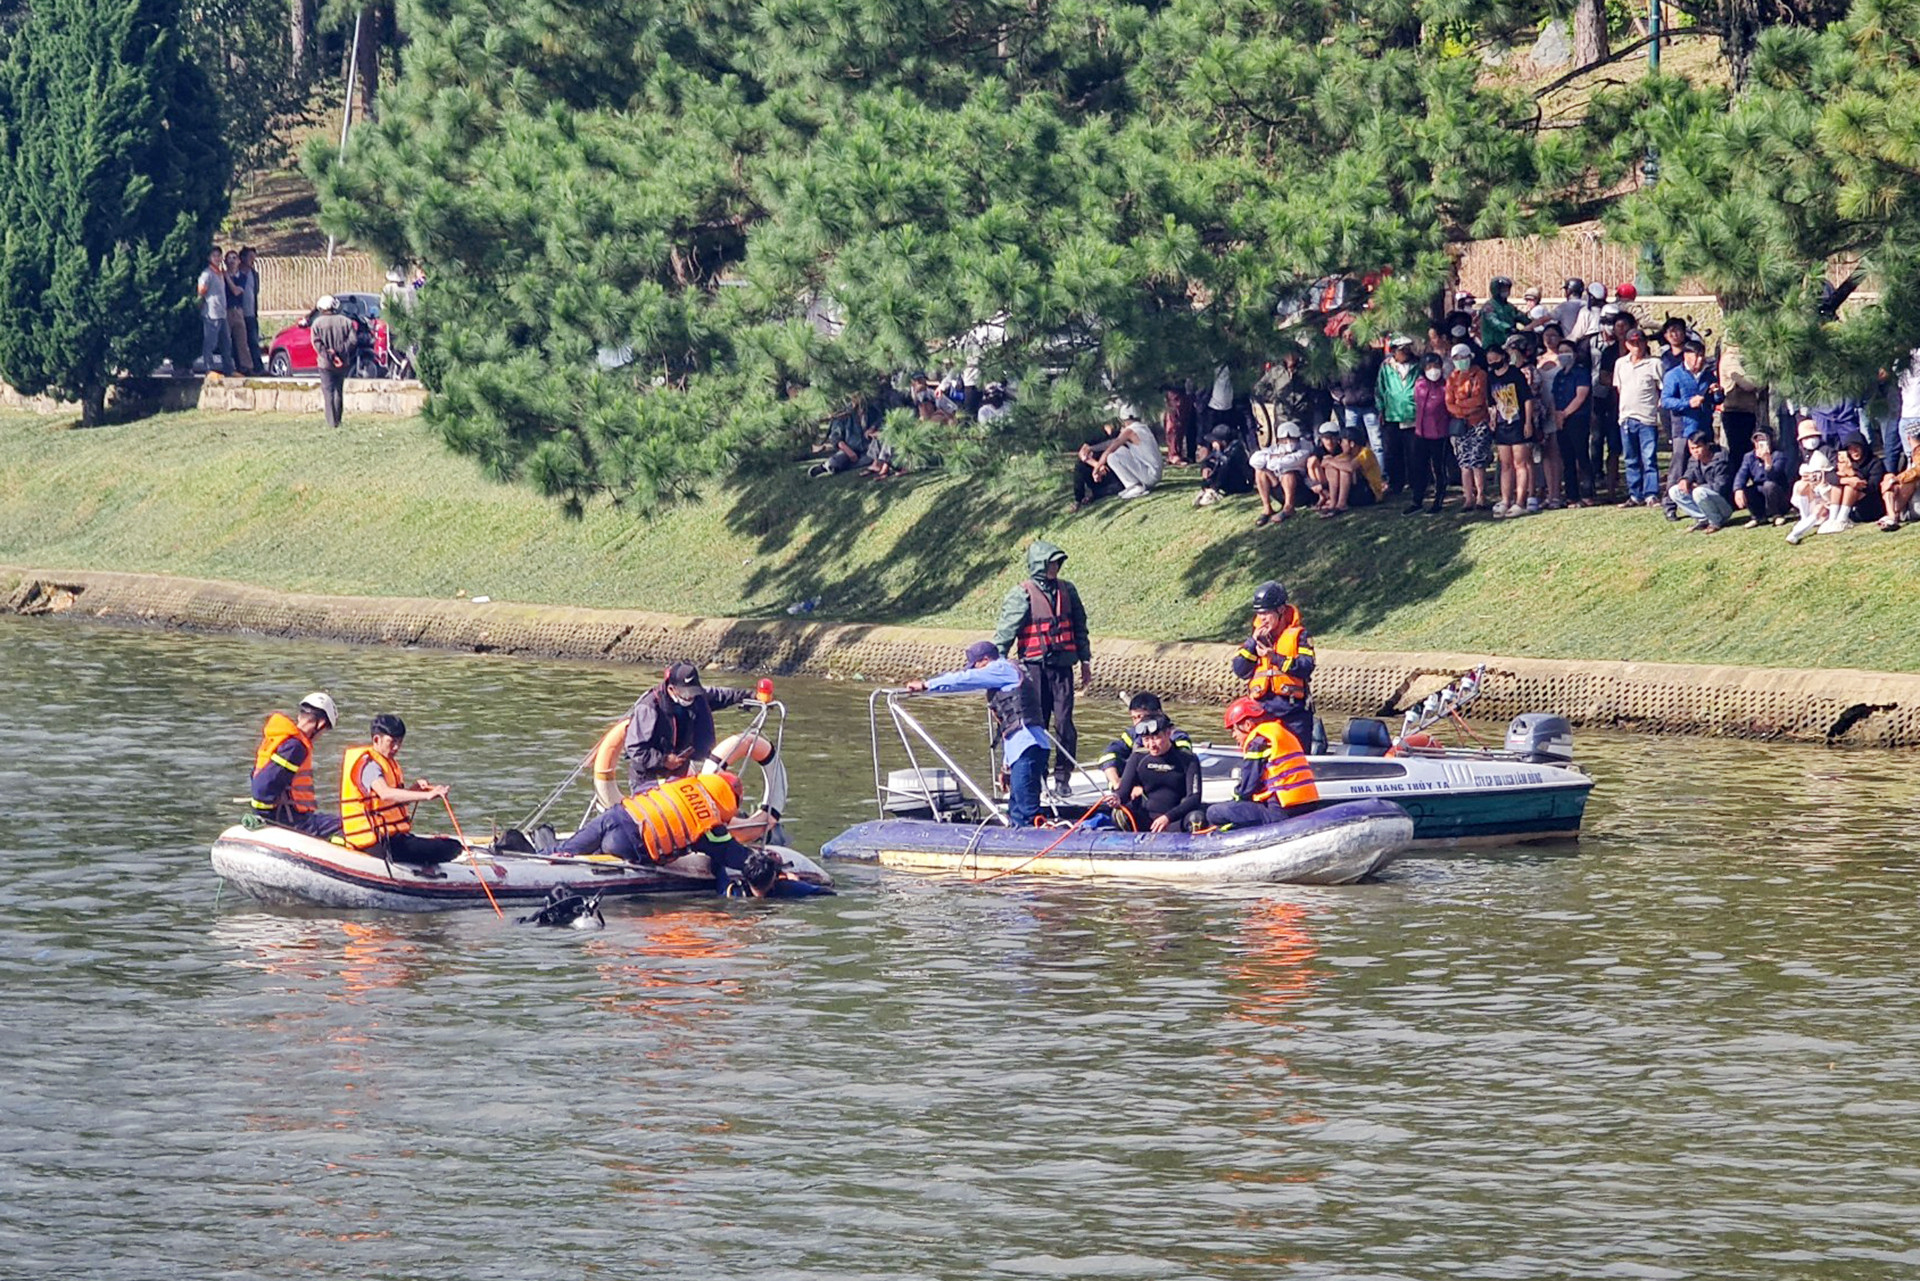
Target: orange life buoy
<point x="606" y="763"/>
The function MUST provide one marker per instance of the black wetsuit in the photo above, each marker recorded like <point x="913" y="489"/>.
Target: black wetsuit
<point x="1169" y="785"/>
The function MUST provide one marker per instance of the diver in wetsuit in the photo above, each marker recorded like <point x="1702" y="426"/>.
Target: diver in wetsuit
<point x="1113" y="761"/>
<point x="1160" y="788"/>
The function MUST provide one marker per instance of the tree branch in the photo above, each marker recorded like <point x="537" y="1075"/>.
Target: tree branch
<point x="1617" y="56"/>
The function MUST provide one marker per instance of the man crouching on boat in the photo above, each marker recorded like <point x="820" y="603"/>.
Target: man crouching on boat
<point x="676" y="817"/>
<point x="1275" y="778"/>
<point x="1014" y="699"/>
<point x="376" y="805"/>
<point x="282" y="784"/>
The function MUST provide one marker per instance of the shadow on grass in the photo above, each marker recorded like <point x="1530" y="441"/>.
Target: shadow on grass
<point x="1344" y="573"/>
<point x="964" y="537"/>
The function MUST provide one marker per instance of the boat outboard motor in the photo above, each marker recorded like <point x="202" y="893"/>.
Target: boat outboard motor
<point x="914" y="793"/>
<point x="1541" y="737"/>
<point x="1368" y="737"/>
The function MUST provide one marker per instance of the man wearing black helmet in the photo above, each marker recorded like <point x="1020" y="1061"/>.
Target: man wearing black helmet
<point x="1276" y="661"/>
<point x="1499" y="317"/>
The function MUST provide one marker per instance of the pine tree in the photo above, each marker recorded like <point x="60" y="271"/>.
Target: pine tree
<point x="660" y="239"/>
<point x="112" y="179"/>
<point x="1811" y="174"/>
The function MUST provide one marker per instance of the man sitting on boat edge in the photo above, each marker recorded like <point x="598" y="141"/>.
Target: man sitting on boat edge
<point x="1160" y="790"/>
<point x="1142" y="707"/>
<point x="1275" y="778"/>
<point x="282" y="782"/>
<point x="376" y="805"/>
<point x="1013" y="696"/>
<point x="670" y="729"/>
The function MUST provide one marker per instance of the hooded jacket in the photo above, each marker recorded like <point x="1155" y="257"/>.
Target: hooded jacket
<point x="1016" y="605"/>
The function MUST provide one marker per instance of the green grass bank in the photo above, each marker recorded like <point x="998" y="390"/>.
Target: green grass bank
<point x="379" y="508"/>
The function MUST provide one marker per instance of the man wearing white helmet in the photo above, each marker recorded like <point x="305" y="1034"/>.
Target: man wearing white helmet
<point x="333" y="343"/>
<point x="282" y="784"/>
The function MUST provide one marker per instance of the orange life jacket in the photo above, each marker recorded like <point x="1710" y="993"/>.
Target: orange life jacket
<point x="1048" y="630"/>
<point x="365" y="818"/>
<point x="1269" y="678"/>
<point x="279" y="729"/>
<point x="672" y="816"/>
<point x="1285" y="775"/>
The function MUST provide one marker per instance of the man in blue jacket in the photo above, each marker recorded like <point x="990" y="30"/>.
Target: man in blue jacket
<point x="1688" y="393"/>
<point x="1013" y="696"/>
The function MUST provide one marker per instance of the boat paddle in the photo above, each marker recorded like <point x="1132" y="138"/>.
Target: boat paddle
<point x="478" y="875"/>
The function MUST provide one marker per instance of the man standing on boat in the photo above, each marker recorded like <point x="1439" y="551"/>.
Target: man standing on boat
<point x="1275" y="777"/>
<point x="282" y="784"/>
<point x="1013" y="696"/>
<point x="1043" y="624"/>
<point x="670" y="730"/>
<point x="1276" y="661"/>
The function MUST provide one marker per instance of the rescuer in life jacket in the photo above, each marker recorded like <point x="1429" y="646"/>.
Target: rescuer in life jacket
<point x="1044" y="628"/>
<point x="1276" y="661"/>
<point x="1013" y="697"/>
<point x="376" y="804"/>
<point x="1275" y="778"/>
<point x="671" y="726"/>
<point x="282" y="783"/>
<point x="680" y="816"/>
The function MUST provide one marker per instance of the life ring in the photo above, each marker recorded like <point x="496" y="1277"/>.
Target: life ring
<point x="1417" y="739"/>
<point x="731" y="752"/>
<point x="606" y="763"/>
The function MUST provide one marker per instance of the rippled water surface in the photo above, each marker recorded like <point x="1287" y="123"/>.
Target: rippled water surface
<point x="1687" y="1047"/>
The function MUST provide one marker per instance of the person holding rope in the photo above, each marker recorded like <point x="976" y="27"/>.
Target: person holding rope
<point x="376" y="804"/>
<point x="1013" y="696"/>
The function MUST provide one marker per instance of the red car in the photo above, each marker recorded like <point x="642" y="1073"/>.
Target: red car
<point x="291" y="351"/>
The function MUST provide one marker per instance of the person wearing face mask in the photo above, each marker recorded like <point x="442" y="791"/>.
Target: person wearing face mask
<point x="1393" y="394"/>
<point x="1468" y="422"/>
<point x="670" y="730"/>
<point x="1572" y="411"/>
<point x="1428" y="459"/>
<point x="1511" y="407"/>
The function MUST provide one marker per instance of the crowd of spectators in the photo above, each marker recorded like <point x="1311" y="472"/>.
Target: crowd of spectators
<point x="1504" y="407"/>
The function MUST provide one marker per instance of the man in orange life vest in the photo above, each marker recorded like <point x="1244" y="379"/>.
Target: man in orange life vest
<point x="680" y="816"/>
<point x="1043" y="627"/>
<point x="1276" y="661"/>
<point x="670" y="729"/>
<point x="1275" y="778"/>
<point x="282" y="783"/>
<point x="376" y="805"/>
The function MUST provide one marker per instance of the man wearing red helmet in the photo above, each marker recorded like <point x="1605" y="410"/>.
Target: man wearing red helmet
<point x="1275" y="778"/>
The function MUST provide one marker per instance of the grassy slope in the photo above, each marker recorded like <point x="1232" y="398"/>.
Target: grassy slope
<point x="378" y="508"/>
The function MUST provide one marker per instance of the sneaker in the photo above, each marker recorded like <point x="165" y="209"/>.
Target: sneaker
<point x="1652" y="501"/>
<point x="1412" y="509"/>
<point x="1533" y="505"/>
<point x="1836" y="525"/>
<point x="1134" y="491"/>
<point x="1801" y="530"/>
<point x="1206" y="498"/>
<point x="818" y="469"/>
<point x="1500" y="509"/>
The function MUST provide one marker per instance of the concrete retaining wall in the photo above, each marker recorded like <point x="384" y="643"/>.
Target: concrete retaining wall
<point x="369" y="396"/>
<point x="1866" y="708"/>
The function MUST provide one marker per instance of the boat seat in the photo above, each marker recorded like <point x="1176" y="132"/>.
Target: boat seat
<point x="1367" y="737"/>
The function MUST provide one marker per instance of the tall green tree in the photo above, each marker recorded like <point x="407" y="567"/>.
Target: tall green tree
<point x="1793" y="193"/>
<point x="112" y="176"/>
<point x="660" y="239"/>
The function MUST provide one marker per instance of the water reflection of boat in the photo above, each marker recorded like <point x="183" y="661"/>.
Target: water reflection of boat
<point x="275" y="865"/>
<point x="1330" y="845"/>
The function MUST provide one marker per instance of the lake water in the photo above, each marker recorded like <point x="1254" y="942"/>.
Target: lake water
<point x="1687" y="1047"/>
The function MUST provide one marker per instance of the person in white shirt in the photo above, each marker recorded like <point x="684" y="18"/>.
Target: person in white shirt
<point x="1818" y="478"/>
<point x="1636" y="386"/>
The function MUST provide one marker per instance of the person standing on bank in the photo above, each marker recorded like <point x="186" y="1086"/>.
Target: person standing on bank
<point x="1044" y="626"/>
<point x="376" y="805"/>
<point x="333" y="347"/>
<point x="1013" y="696"/>
<point x="670" y="730"/>
<point x="282" y="783"/>
<point x="1276" y="661"/>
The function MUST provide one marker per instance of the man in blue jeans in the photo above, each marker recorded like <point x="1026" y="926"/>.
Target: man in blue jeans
<point x="1636" y="383"/>
<point x="1014" y="699"/>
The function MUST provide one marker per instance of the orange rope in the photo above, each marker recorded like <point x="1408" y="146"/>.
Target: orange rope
<point x="478" y="875"/>
<point x="1051" y="848"/>
<point x="1466" y="729"/>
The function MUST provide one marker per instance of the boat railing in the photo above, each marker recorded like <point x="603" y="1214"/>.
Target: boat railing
<point x="908" y="728"/>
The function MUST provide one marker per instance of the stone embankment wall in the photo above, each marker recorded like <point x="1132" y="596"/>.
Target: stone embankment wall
<point x="1835" y="707"/>
<point x="294" y="395"/>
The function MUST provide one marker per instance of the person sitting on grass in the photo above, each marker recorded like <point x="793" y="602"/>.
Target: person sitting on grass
<point x="1763" y="487"/>
<point x="1817" y="479"/>
<point x="1346" y="473"/>
<point x="1701" y="492"/>
<point x="1093" y="478"/>
<point x="1159" y="790"/>
<point x="1858" y="480"/>
<point x="1134" y="456"/>
<point x="1282" y="466"/>
<point x="1227" y="469"/>
<point x="1897" y="489"/>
